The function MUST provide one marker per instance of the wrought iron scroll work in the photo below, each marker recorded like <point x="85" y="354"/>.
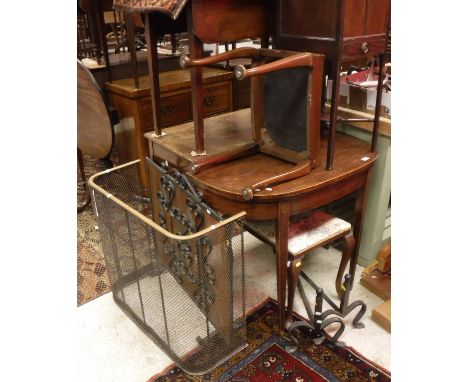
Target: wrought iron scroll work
<point x="187" y="264"/>
<point x="319" y="319"/>
<point x="204" y="294"/>
<point x="190" y="220"/>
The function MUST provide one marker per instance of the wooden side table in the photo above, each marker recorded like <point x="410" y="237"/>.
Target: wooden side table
<point x="135" y="110"/>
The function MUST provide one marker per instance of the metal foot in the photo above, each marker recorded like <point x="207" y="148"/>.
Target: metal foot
<point x="319" y="319"/>
<point x="346" y="308"/>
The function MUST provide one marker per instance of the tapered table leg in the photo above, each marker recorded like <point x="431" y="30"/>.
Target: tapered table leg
<point x="281" y="233"/>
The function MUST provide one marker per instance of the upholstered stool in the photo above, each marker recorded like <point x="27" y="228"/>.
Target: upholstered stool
<point x="306" y="233"/>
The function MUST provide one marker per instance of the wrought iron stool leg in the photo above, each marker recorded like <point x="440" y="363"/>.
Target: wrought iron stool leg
<point x="321" y="321"/>
<point x="294" y="327"/>
<point x="317" y="321"/>
<point x="345" y="309"/>
<point x="337" y="335"/>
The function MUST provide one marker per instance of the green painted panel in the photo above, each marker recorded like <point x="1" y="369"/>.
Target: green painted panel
<point x="378" y="196"/>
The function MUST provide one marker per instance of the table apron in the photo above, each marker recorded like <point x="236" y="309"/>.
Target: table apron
<point x="261" y="210"/>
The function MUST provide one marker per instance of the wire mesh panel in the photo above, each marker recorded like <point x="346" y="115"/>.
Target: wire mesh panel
<point x="186" y="292"/>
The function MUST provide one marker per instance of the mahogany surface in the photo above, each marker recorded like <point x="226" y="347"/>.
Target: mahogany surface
<point x="224" y="132"/>
<point x="226" y="21"/>
<point x="169" y="81"/>
<point x="229" y="179"/>
<point x="232" y="130"/>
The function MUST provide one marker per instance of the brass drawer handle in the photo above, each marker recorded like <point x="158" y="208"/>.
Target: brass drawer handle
<point x="208" y="101"/>
<point x="364" y="47"/>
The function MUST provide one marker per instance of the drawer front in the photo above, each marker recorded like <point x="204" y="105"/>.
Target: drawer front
<point x="174" y="109"/>
<point x="363" y="47"/>
<point x="217" y="98"/>
<point x="177" y="108"/>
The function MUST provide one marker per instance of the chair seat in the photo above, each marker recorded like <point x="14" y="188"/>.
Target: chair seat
<point x="306" y="232"/>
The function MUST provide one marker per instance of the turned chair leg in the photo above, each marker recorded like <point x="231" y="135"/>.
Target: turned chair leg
<point x="293" y="275"/>
<point x="348" y="243"/>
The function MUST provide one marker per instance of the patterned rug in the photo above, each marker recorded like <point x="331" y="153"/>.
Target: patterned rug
<point x="92" y="275"/>
<point x="266" y="358"/>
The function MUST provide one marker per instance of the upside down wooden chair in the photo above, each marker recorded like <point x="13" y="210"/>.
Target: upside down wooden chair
<point x="285" y="111"/>
<point x="285" y="88"/>
<point x="95" y="121"/>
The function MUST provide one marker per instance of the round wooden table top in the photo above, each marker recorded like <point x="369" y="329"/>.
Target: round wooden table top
<point x="222" y="185"/>
<point x="352" y="156"/>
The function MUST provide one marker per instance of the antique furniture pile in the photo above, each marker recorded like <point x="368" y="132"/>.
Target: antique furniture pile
<point x="179" y="216"/>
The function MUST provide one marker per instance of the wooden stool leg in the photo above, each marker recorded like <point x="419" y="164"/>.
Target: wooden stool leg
<point x="293" y="275"/>
<point x="348" y="247"/>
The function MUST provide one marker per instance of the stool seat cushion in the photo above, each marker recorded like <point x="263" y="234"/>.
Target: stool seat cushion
<point x="306" y="231"/>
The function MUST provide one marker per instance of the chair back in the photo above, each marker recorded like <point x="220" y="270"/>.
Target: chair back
<point x="285" y="104"/>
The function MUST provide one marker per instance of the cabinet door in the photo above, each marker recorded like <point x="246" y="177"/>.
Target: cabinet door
<point x="308" y="18"/>
<point x="365" y="17"/>
<point x="377" y="11"/>
<point x="354" y="22"/>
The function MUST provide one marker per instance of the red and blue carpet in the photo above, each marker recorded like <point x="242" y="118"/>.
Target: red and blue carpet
<point x="266" y="358"/>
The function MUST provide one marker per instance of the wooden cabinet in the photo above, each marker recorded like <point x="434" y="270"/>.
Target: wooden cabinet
<point x="135" y="110"/>
<point x="343" y="30"/>
<point x="359" y="27"/>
